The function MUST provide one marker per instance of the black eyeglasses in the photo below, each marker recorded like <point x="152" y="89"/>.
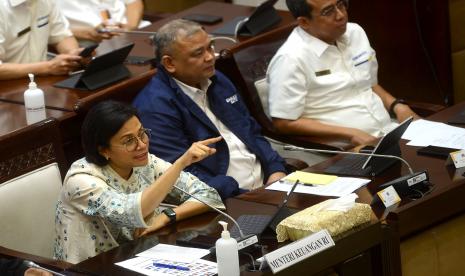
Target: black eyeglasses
<point x="330" y="11"/>
<point x="132" y="142"/>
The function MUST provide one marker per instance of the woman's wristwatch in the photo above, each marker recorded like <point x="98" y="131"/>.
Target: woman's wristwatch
<point x="171" y="214"/>
<point x="393" y="105"/>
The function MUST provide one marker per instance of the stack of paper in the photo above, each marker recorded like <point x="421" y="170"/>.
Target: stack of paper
<point x="164" y="259"/>
<point x="319" y="184"/>
<point x="424" y="133"/>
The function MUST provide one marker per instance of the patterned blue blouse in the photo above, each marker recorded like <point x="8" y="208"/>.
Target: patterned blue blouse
<point x="97" y="209"/>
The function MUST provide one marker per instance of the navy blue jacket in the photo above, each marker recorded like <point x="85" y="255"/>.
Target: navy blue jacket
<point x="177" y="121"/>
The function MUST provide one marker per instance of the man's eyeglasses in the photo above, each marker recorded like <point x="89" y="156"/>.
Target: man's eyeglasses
<point x="330" y="11"/>
<point x="131" y="143"/>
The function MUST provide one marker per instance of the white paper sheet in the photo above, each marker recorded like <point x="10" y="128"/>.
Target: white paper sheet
<point x="146" y="266"/>
<point x="174" y="253"/>
<point x="423" y="133"/>
<point x="340" y="187"/>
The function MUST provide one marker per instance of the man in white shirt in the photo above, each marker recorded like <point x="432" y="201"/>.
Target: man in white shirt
<point x="89" y="17"/>
<point x="27" y="27"/>
<point x="323" y="79"/>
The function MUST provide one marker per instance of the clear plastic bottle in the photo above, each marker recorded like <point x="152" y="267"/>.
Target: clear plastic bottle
<point x="34" y="103"/>
<point x="227" y="257"/>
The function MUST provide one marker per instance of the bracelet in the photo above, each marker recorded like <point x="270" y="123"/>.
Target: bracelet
<point x="393" y="105"/>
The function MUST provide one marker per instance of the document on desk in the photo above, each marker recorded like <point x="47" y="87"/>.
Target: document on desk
<point x="159" y="267"/>
<point x="341" y="186"/>
<point x="174" y="253"/>
<point x="425" y="133"/>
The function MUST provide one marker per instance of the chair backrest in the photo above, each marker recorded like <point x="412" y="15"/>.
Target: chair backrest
<point x="246" y="65"/>
<point x="32" y="166"/>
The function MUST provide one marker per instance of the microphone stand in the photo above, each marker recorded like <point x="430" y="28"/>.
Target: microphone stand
<point x="31" y="264"/>
<point x="294" y="148"/>
<point x="403" y="185"/>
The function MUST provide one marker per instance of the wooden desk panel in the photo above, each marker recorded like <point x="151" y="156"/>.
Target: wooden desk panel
<point x="66" y="99"/>
<point x="367" y="238"/>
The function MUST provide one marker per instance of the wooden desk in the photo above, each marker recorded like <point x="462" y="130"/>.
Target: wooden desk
<point x="13" y="116"/>
<point x="445" y="200"/>
<point x="353" y="249"/>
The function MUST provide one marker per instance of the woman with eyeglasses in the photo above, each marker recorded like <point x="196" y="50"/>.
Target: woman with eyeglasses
<point x="113" y="194"/>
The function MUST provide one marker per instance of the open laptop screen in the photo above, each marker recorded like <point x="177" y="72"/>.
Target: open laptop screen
<point x="389" y="140"/>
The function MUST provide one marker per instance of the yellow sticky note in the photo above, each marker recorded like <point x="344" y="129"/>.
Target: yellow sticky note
<point x="311" y="178"/>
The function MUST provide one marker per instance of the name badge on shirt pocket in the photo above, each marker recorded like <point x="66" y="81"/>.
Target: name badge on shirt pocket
<point x="362" y="62"/>
<point x="323" y="73"/>
<point x="42" y="21"/>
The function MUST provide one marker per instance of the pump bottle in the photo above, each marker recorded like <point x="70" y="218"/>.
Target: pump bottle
<point x="34" y="102"/>
<point x="227" y="257"/>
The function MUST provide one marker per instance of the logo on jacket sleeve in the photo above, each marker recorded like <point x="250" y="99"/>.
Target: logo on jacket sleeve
<point x="232" y="99"/>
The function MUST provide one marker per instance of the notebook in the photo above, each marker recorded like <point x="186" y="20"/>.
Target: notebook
<point x="101" y="71"/>
<point x="356" y="165"/>
<point x="257" y="224"/>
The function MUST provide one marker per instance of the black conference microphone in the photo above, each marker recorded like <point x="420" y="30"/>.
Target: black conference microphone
<point x="244" y="240"/>
<point x="403" y="185"/>
<point x="31" y="264"/>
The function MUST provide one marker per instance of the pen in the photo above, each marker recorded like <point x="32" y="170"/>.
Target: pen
<point x="170" y="266"/>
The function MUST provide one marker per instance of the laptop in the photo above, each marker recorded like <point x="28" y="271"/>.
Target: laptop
<point x="458" y="118"/>
<point x="101" y="71"/>
<point x="357" y="165"/>
<point x="262" y="18"/>
<point x="257" y="224"/>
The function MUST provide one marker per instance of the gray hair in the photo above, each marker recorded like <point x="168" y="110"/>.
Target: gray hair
<point x="170" y="32"/>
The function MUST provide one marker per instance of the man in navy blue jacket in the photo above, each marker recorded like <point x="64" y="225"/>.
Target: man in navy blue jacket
<point x="187" y="101"/>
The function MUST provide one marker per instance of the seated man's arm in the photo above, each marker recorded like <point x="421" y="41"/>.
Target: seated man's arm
<point x="304" y="126"/>
<point x="134" y="11"/>
<point x="60" y="65"/>
<point x="401" y="110"/>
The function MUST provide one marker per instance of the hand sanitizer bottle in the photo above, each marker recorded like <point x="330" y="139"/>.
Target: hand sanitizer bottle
<point x="34" y="103"/>
<point x="227" y="257"/>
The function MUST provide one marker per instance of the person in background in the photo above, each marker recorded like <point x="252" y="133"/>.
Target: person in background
<point x="188" y="100"/>
<point x="114" y="193"/>
<point x="323" y="80"/>
<point x="27" y="28"/>
<point x="93" y="20"/>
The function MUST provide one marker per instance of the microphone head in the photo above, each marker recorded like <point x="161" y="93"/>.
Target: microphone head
<point x="30" y="264"/>
<point x="289" y="147"/>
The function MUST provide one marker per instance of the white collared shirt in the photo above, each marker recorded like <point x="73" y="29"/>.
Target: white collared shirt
<point x="27" y="27"/>
<point x="244" y="166"/>
<point x="87" y="13"/>
<point x="309" y="78"/>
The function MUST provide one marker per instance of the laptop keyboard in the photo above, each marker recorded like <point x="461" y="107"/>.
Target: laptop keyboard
<point x="349" y="165"/>
<point x="250" y="224"/>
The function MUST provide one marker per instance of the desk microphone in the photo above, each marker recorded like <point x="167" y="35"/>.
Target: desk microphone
<point x="244" y="240"/>
<point x="403" y="185"/>
<point x="31" y="264"/>
<point x="125" y="31"/>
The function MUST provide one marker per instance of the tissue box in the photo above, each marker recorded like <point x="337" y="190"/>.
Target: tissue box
<point x="314" y="219"/>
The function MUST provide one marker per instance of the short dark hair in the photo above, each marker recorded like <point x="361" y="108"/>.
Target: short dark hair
<point x="101" y="123"/>
<point x="299" y="8"/>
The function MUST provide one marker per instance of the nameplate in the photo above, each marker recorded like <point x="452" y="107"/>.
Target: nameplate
<point x="389" y="196"/>
<point x="323" y="73"/>
<point x="298" y="251"/>
<point x="457" y="158"/>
